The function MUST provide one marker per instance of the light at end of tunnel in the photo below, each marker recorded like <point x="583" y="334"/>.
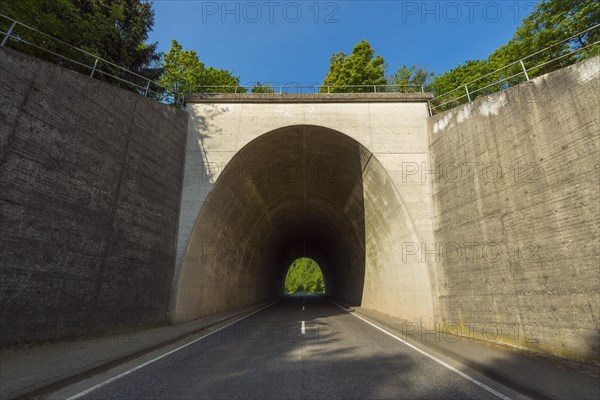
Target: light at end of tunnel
<point x="304" y="276"/>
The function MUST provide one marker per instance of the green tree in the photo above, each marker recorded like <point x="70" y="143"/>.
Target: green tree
<point x="551" y="22"/>
<point x="183" y="72"/>
<point x="116" y="30"/>
<point x="304" y="275"/>
<point x="361" y="67"/>
<point x="410" y="78"/>
<point x="262" y="88"/>
<point x="223" y="81"/>
<point x="451" y="84"/>
<point x="135" y="24"/>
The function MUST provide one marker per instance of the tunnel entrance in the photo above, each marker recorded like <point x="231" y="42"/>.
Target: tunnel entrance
<point x="295" y="191"/>
<point x="304" y="276"/>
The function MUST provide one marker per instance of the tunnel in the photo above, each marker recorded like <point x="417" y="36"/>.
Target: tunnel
<point x="301" y="191"/>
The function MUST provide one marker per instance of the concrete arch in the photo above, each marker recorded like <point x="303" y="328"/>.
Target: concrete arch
<point x="303" y="190"/>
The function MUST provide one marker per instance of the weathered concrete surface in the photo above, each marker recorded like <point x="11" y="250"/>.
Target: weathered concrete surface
<point x="299" y="179"/>
<point x="515" y="254"/>
<point x="483" y="219"/>
<point x="90" y="192"/>
<point x="529" y="212"/>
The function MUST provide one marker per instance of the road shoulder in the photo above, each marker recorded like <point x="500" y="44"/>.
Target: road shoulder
<point x="533" y="375"/>
<point x="31" y="371"/>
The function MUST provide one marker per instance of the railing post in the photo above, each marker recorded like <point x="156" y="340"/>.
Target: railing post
<point x="94" y="68"/>
<point x="524" y="70"/>
<point x="147" y="89"/>
<point x="468" y="94"/>
<point x="8" y="33"/>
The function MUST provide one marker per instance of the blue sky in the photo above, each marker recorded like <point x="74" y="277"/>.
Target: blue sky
<point x="291" y="42"/>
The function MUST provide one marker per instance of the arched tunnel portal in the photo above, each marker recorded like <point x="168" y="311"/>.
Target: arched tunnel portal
<point x="297" y="191"/>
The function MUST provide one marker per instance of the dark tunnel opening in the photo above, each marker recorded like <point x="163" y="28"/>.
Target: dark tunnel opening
<point x="298" y="191"/>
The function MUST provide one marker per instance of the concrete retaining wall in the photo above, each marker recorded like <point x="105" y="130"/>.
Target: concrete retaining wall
<point x="89" y="195"/>
<point x="516" y="207"/>
<point x="483" y="219"/>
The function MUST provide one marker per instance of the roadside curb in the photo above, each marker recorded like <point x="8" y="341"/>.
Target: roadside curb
<point x="62" y="382"/>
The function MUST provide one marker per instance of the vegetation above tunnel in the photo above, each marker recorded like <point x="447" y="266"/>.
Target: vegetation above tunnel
<point x="115" y="30"/>
<point x="550" y="22"/>
<point x="304" y="276"/>
<point x="118" y="31"/>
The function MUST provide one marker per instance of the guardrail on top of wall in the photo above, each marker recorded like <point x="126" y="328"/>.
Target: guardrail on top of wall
<point x="511" y="74"/>
<point x="19" y="34"/>
<point x="308" y="89"/>
<point x="32" y="41"/>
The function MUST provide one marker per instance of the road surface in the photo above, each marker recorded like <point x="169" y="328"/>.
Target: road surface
<point x="303" y="347"/>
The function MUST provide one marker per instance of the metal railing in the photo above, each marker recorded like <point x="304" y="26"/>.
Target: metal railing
<point x="67" y="55"/>
<point x="306" y="89"/>
<point x="510" y="75"/>
<point x="19" y="34"/>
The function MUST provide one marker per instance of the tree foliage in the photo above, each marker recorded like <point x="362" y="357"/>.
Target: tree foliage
<point x="304" y="275"/>
<point x="262" y="88"/>
<point x="361" y="67"/>
<point x="183" y="72"/>
<point x="364" y="68"/>
<point x="457" y="77"/>
<point x="550" y="22"/>
<point x="183" y="69"/>
<point x="221" y="80"/>
<point x="411" y="78"/>
<point x="116" y="30"/>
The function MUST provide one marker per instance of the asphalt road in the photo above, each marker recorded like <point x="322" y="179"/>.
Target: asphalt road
<point x="266" y="356"/>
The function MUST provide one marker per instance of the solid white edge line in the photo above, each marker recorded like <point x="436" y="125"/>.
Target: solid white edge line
<point x="114" y="378"/>
<point x="450" y="367"/>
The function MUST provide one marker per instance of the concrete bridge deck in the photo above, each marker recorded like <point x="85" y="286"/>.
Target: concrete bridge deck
<point x="392" y="97"/>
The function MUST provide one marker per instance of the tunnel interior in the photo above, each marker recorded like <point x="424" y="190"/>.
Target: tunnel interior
<point x="297" y="191"/>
